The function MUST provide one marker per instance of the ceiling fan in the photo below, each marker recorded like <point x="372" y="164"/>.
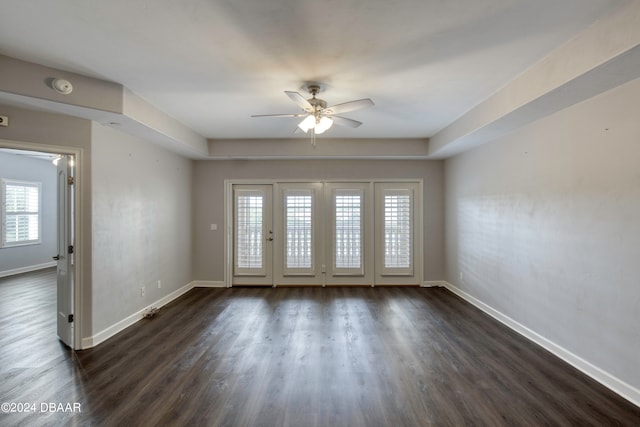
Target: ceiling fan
<point x="317" y="116"/>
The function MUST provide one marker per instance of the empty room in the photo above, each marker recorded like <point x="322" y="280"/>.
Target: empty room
<point x="320" y="213"/>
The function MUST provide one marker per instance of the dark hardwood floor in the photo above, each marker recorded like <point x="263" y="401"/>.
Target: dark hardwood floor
<point x="27" y="318"/>
<point x="293" y="357"/>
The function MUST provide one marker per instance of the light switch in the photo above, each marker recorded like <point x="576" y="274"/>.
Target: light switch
<point x="214" y="227"/>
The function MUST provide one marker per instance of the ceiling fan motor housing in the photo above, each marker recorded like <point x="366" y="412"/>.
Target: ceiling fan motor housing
<point x="314" y="89"/>
<point x="317" y="103"/>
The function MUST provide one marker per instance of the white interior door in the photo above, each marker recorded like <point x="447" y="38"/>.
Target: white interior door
<point x="252" y="235"/>
<point x="64" y="256"/>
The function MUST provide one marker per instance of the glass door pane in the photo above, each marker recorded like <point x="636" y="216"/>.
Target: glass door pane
<point x="348" y="231"/>
<point x="298" y="230"/>
<point x="397" y="229"/>
<point x="250" y="231"/>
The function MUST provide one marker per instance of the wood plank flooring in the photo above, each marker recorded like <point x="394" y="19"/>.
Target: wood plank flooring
<point x="297" y="357"/>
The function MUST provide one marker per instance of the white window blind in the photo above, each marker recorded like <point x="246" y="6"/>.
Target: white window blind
<point x="348" y="228"/>
<point x="249" y="230"/>
<point x="397" y="229"/>
<point x="299" y="229"/>
<point x="20" y="212"/>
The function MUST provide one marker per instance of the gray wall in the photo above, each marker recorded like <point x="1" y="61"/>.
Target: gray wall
<point x="544" y="226"/>
<point x="151" y="189"/>
<point x="208" y="199"/>
<point x="141" y="224"/>
<point x="35" y="170"/>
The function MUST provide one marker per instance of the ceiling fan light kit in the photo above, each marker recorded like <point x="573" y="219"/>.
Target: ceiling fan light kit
<point x="323" y="124"/>
<point x="319" y="118"/>
<point x="309" y="122"/>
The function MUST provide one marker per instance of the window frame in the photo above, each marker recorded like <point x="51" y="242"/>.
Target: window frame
<point x="4" y="214"/>
<point x="249" y="270"/>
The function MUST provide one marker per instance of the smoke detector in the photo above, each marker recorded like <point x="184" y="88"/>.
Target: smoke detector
<point x="62" y="86"/>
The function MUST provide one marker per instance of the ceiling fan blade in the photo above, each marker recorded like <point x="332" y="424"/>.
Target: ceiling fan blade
<point x="343" y="121"/>
<point x="299" y="100"/>
<point x="349" y="106"/>
<point x="280" y="115"/>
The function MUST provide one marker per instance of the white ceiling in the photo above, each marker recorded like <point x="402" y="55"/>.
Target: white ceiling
<point x="212" y="63"/>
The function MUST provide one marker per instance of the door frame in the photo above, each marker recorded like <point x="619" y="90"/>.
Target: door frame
<point x="228" y="217"/>
<point x="78" y="213"/>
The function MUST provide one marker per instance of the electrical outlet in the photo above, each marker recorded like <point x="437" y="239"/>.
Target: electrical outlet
<point x="159" y="284"/>
<point x="142" y="291"/>
<point x="4" y="121"/>
<point x="461" y="275"/>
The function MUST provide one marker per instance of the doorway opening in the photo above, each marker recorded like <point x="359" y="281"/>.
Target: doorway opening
<point x="53" y="170"/>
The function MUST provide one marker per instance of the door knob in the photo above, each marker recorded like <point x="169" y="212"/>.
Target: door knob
<point x="57" y="257"/>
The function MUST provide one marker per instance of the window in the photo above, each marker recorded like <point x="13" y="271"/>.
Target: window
<point x="299" y="229"/>
<point x="249" y="249"/>
<point x="20" y="212"/>
<point x="348" y="229"/>
<point x="397" y="229"/>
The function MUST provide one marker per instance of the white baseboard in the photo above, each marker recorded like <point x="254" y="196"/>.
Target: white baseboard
<point x="432" y="284"/>
<point x="135" y="317"/>
<point x="27" y="269"/>
<point x="615" y="384"/>
<point x="208" y="284"/>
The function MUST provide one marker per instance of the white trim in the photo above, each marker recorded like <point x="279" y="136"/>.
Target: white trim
<point x="27" y="269"/>
<point x="112" y="330"/>
<point x="433" y="284"/>
<point x="615" y="384"/>
<point x="228" y="232"/>
<point x="209" y="284"/>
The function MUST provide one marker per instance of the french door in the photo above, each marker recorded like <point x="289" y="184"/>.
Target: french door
<point x="299" y="230"/>
<point x="325" y="233"/>
<point x="349" y="238"/>
<point x="398" y="235"/>
<point x="252" y="235"/>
